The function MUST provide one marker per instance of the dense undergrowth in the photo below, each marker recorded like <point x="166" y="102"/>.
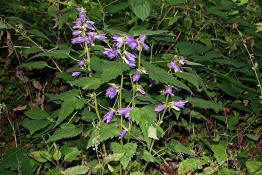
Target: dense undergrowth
<point x="130" y="87"/>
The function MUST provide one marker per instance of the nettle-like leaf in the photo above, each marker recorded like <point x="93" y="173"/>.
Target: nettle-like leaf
<point x="190" y="77"/>
<point x="141" y="8"/>
<point x="145" y="155"/>
<point x="201" y="103"/>
<point x="37" y="114"/>
<point x="147" y="32"/>
<point x="192" y="164"/>
<point x="219" y="151"/>
<point x="35" y="125"/>
<point x="113" y="157"/>
<point x="41" y="156"/>
<point x="76" y="170"/>
<point x="112" y="70"/>
<point x="145" y="117"/>
<point x="35" y="65"/>
<point x="103" y="131"/>
<point x="175" y="2"/>
<point x="179" y="147"/>
<point x="55" y="53"/>
<point x="64" y="96"/>
<point x="160" y="75"/>
<point x="87" y="83"/>
<point x="37" y="33"/>
<point x="66" y="131"/>
<point x="128" y="149"/>
<point x="68" y="106"/>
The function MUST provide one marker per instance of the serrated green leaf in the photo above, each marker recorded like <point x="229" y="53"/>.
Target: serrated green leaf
<point x="35" y="65"/>
<point x="201" y="103"/>
<point x="254" y="167"/>
<point x="87" y="83"/>
<point x="137" y="173"/>
<point x="72" y="155"/>
<point x="219" y="151"/>
<point x="148" y="32"/>
<point x="145" y="117"/>
<point x="31" y="50"/>
<point x="192" y="164"/>
<point x="190" y="77"/>
<point x="77" y="170"/>
<point x="35" y="125"/>
<point x="112" y="70"/>
<point x="38" y="33"/>
<point x="160" y="75"/>
<point x="128" y="149"/>
<point x="117" y="7"/>
<point x="37" y="114"/>
<point x="55" y="171"/>
<point x="141" y="8"/>
<point x="148" y="157"/>
<point x="103" y="131"/>
<point x="113" y="157"/>
<point x="41" y="156"/>
<point x="52" y="11"/>
<point x="54" y="53"/>
<point x="66" y="109"/>
<point x="66" y="131"/>
<point x="179" y="147"/>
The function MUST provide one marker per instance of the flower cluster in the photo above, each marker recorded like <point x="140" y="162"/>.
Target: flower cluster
<point x="81" y="27"/>
<point x="175" y="64"/>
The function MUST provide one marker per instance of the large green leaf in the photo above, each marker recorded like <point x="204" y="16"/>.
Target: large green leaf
<point x="254" y="167"/>
<point x="141" y="8"/>
<point x="112" y="70"/>
<point x="35" y="65"/>
<point x="128" y="149"/>
<point x="145" y="117"/>
<point x="37" y="114"/>
<point x="160" y="75"/>
<point x="55" y="54"/>
<point x="77" y="170"/>
<point x="179" y="147"/>
<point x="87" y="83"/>
<point x="103" y="131"/>
<point x="192" y="164"/>
<point x="219" y="151"/>
<point x="68" y="106"/>
<point x="66" y="131"/>
<point x="35" y="125"/>
<point x="190" y="77"/>
<point x="175" y="2"/>
<point x="201" y="103"/>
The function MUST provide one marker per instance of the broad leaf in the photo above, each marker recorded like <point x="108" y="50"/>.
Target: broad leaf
<point x="112" y="70"/>
<point x="35" y="65"/>
<point x="128" y="150"/>
<point x="141" y="8"/>
<point x="66" y="131"/>
<point x="87" y="83"/>
<point x="77" y="170"/>
<point x="35" y="125"/>
<point x="37" y="114"/>
<point x="201" y="103"/>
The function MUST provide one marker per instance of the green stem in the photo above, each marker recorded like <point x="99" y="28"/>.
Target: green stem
<point x="158" y="123"/>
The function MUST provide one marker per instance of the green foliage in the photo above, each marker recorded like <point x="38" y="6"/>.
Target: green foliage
<point x="141" y="8"/>
<point x="192" y="164"/>
<point x="254" y="167"/>
<point x="66" y="131"/>
<point x="220" y="152"/>
<point x="201" y="103"/>
<point x="179" y="148"/>
<point x="35" y="125"/>
<point x="112" y="70"/>
<point x="128" y="150"/>
<point x="87" y="83"/>
<point x="102" y="132"/>
<point x="35" y="65"/>
<point x="37" y="114"/>
<point x="160" y="75"/>
<point x="77" y="170"/>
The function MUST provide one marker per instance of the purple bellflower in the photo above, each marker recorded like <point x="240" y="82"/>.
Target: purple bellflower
<point x="182" y="61"/>
<point x="131" y="42"/>
<point x="82" y="16"/>
<point x="76" y="73"/>
<point x="119" y="40"/>
<point x="108" y="116"/>
<point x="78" y="24"/>
<point x="111" y="92"/>
<point x="101" y="37"/>
<point x="174" y="66"/>
<point x="169" y="91"/>
<point x="136" y="76"/>
<point x="141" y="90"/>
<point x="90" y="24"/>
<point x="79" y="40"/>
<point x="110" y="53"/>
<point x="130" y="56"/>
<point x="124" y="111"/>
<point x="79" y="9"/>
<point x="177" y="88"/>
<point x="123" y="133"/>
<point x="160" y="108"/>
<point x="180" y="104"/>
<point x="76" y="32"/>
<point x="81" y="63"/>
<point x="142" y="39"/>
